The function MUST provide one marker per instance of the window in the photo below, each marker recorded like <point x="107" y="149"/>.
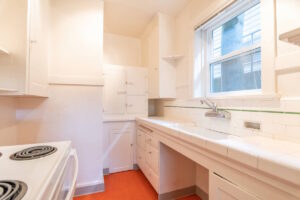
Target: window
<point x="228" y="49"/>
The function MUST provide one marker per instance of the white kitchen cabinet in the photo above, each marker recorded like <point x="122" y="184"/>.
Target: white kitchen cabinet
<point x="158" y="42"/>
<point x="148" y="155"/>
<point x="222" y="189"/>
<point x="136" y="104"/>
<point x="121" y="153"/>
<point x="119" y="147"/>
<point x="287" y="58"/>
<point x="114" y="91"/>
<point x="24" y="34"/>
<point x="125" y="91"/>
<point x="136" y="81"/>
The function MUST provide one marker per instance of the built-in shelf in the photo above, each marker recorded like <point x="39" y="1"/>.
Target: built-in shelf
<point x="3" y="51"/>
<point x="292" y="36"/>
<point x="173" y="57"/>
<point x="3" y="90"/>
<point x="287" y="70"/>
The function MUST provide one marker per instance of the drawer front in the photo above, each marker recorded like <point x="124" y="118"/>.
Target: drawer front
<point x="153" y="178"/>
<point x="152" y="141"/>
<point x="141" y="161"/>
<point x="152" y="158"/>
<point x="140" y="139"/>
<point x="145" y="129"/>
<point x="221" y="189"/>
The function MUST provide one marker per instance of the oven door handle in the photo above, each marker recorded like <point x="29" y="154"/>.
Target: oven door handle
<point x="70" y="194"/>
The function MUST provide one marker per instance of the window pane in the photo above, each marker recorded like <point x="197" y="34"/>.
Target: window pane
<point x="239" y="32"/>
<point x="242" y="72"/>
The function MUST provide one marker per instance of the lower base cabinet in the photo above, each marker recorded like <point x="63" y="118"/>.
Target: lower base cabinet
<point x="148" y="155"/>
<point x="222" y="189"/>
<point x="120" y="138"/>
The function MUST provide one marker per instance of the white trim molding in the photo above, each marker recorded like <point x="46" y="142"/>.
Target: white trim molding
<point x="76" y="80"/>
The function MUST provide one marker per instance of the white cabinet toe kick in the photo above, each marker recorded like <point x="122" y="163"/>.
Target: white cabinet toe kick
<point x="170" y="164"/>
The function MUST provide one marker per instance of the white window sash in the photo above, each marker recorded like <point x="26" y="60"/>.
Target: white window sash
<point x="207" y="49"/>
<point x="244" y="50"/>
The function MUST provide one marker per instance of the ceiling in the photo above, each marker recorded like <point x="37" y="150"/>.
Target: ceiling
<point x="130" y="17"/>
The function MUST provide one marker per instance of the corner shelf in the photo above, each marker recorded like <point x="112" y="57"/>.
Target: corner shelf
<point x="173" y="57"/>
<point x="3" y="52"/>
<point x="292" y="36"/>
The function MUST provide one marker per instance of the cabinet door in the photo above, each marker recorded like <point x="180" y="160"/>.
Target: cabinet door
<point x="114" y="91"/>
<point x="37" y="76"/>
<point x="121" y="153"/>
<point x="137" y="81"/>
<point x="222" y="189"/>
<point x="137" y="104"/>
<point x="153" y="41"/>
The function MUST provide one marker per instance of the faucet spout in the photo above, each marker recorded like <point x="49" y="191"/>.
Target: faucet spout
<point x="215" y="111"/>
<point x="210" y="104"/>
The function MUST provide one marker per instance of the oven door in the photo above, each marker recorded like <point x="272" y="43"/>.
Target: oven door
<point x="67" y="183"/>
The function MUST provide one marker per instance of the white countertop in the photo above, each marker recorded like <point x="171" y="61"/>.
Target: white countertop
<point x="275" y="157"/>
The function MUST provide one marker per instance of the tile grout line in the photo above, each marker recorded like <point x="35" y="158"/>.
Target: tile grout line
<point x="239" y="110"/>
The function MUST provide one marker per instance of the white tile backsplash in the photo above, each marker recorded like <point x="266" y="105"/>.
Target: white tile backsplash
<point x="282" y="126"/>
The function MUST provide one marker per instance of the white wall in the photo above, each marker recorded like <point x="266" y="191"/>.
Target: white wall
<point x="8" y="126"/>
<point x="70" y="113"/>
<point x="122" y="50"/>
<point x="76" y="39"/>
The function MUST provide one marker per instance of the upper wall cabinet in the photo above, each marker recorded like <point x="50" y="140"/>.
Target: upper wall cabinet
<point x="157" y="45"/>
<point x="23" y="38"/>
<point x="125" y="92"/>
<point x="288" y="22"/>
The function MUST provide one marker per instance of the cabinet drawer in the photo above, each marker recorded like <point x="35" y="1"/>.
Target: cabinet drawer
<point x="152" y="141"/>
<point x="141" y="159"/>
<point x="153" y="178"/>
<point x="222" y="189"/>
<point x="140" y="139"/>
<point x="152" y="157"/>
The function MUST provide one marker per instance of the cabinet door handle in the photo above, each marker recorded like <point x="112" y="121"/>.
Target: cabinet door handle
<point x="121" y="92"/>
<point x="149" y="140"/>
<point x="150" y="152"/>
<point x="33" y="41"/>
<point x="129" y="83"/>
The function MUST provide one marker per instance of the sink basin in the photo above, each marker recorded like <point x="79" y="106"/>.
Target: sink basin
<point x="204" y="133"/>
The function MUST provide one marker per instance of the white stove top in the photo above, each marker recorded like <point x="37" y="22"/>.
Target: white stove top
<point x="39" y="174"/>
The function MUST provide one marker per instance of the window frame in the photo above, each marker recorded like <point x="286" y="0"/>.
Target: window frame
<point x="207" y="59"/>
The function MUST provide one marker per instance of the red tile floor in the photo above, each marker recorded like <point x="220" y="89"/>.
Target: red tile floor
<point x="130" y="185"/>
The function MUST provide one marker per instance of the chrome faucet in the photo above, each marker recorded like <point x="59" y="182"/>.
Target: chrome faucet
<point x="215" y="112"/>
<point x="210" y="104"/>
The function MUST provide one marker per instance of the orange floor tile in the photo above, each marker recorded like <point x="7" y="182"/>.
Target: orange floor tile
<point x="131" y="185"/>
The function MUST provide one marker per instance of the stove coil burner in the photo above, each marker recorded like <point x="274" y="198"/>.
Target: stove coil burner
<point x="12" y="190"/>
<point x="33" y="153"/>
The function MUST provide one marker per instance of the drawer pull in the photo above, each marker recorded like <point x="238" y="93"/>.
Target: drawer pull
<point x="149" y="140"/>
<point x="146" y="129"/>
